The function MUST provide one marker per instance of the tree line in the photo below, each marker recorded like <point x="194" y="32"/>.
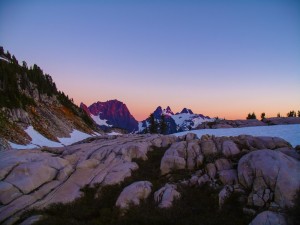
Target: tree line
<point x="16" y="80"/>
<point x="157" y="127"/>
<point x="291" y="113"/>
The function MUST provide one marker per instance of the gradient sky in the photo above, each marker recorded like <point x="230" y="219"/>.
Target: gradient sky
<point x="219" y="59"/>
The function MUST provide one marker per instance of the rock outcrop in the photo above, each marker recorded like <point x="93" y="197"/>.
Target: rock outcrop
<point x="272" y="177"/>
<point x="248" y="123"/>
<point x="133" y="194"/>
<point x="263" y="171"/>
<point x="165" y="196"/>
<point x="282" y="120"/>
<point x="39" y="177"/>
<point x="270" y="218"/>
<point x="174" y="157"/>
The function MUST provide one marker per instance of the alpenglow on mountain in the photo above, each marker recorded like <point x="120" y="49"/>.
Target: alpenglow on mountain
<point x="111" y="114"/>
<point x="31" y="104"/>
<point x="115" y="114"/>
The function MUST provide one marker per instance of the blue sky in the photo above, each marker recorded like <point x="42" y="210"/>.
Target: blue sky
<point x="220" y="59"/>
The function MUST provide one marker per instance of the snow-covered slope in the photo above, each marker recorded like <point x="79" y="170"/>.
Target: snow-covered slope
<point x="181" y="121"/>
<point x="39" y="140"/>
<point x="185" y="121"/>
<point x="290" y="133"/>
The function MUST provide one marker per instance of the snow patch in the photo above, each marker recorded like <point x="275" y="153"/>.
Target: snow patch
<point x="76" y="136"/>
<point x="4" y="59"/>
<point x="39" y="140"/>
<point x="114" y="133"/>
<point x="100" y="121"/>
<point x="186" y="119"/>
<point x="290" y="133"/>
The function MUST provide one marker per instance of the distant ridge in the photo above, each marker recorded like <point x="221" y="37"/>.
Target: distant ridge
<point x="178" y="122"/>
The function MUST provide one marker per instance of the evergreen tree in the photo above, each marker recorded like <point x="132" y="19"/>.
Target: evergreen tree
<point x="278" y="115"/>
<point x="163" y="124"/>
<point x="24" y="64"/>
<point x="8" y="55"/>
<point x="263" y="116"/>
<point x="14" y="60"/>
<point x="153" y="124"/>
<point x="251" y="116"/>
<point x="291" y="114"/>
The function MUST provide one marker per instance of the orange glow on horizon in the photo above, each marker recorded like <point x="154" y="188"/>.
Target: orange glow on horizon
<point x="141" y="112"/>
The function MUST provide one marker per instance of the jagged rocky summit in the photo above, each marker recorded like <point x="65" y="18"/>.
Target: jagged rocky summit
<point x="112" y="113"/>
<point x="181" y="121"/>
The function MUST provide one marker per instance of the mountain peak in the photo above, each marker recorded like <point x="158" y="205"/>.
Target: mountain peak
<point x="185" y="110"/>
<point x="158" y="111"/>
<point x="169" y="111"/>
<point x="115" y="113"/>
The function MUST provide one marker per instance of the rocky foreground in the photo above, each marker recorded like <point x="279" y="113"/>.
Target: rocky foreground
<point x="265" y="171"/>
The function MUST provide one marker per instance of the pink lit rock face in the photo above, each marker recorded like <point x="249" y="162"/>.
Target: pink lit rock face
<point x="114" y="112"/>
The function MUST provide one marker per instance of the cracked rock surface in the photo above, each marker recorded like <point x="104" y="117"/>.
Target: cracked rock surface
<point x="264" y="170"/>
<point x="39" y="177"/>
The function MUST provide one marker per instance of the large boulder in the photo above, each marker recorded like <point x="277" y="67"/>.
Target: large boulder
<point x="190" y="137"/>
<point x="223" y="164"/>
<point x="228" y="177"/>
<point x="136" y="150"/>
<point x="174" y="157"/>
<point x="269" y="218"/>
<point x="203" y="180"/>
<point x="208" y="147"/>
<point x="267" y="172"/>
<point x="119" y="172"/>
<point x="166" y="195"/>
<point x="229" y="148"/>
<point x="133" y="194"/>
<point x="211" y="170"/>
<point x="224" y="194"/>
<point x="193" y="155"/>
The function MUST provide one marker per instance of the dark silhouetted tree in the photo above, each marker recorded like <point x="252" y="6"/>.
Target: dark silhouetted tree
<point x="298" y="113"/>
<point x="278" y="115"/>
<point x="8" y="55"/>
<point x="291" y="114"/>
<point x="24" y="64"/>
<point x="251" y="116"/>
<point x="163" y="124"/>
<point x="153" y="124"/>
<point x="14" y="60"/>
<point x="263" y="116"/>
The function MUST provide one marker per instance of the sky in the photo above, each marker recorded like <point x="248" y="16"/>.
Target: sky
<point x="219" y="59"/>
